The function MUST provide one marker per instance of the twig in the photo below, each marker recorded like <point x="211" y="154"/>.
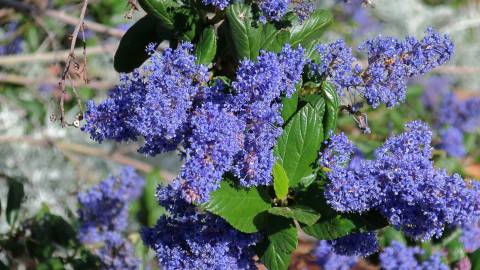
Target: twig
<point x="61" y="16"/>
<point x="52" y="56"/>
<point x="94" y="26"/>
<point x="86" y="151"/>
<point x="70" y="60"/>
<point x="25" y="81"/>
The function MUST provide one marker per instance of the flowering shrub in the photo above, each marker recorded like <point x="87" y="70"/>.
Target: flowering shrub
<point x="249" y="94"/>
<point x="251" y="105"/>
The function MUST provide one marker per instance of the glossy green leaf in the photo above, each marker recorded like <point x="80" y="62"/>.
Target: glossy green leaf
<point x="131" y="51"/>
<point x="289" y="106"/>
<point x="330" y="228"/>
<point x="317" y="102"/>
<point x="456" y="250"/>
<point x="162" y="9"/>
<point x="390" y="234"/>
<point x="206" y="48"/>
<point x="275" y="251"/>
<point x="311" y="29"/>
<point x="246" y="38"/>
<point x="332" y="225"/>
<point x="302" y="214"/>
<point x="280" y="181"/>
<point x="332" y="104"/>
<point x="249" y="36"/>
<point x="475" y="259"/>
<point x="298" y="146"/>
<point x="243" y="208"/>
<point x="273" y="39"/>
<point x="15" y="198"/>
<point x="185" y="23"/>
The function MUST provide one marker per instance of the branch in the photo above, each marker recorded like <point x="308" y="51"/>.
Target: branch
<point x="25" y="81"/>
<point x="86" y="151"/>
<point x="90" y="25"/>
<point x="52" y="56"/>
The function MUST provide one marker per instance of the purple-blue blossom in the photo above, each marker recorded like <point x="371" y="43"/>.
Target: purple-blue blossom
<point x="273" y="10"/>
<point x="397" y="256"/>
<point x="402" y="184"/>
<point x="221" y="4"/>
<point x="153" y="103"/>
<point x="116" y="253"/>
<point x="462" y="114"/>
<point x="452" y="142"/>
<point x="391" y="62"/>
<point x="258" y="87"/>
<point x="356" y="244"/>
<point x="104" y="207"/>
<point x="12" y="41"/>
<point x="216" y="137"/>
<point x="327" y="259"/>
<point x="103" y="214"/>
<point x="189" y="239"/>
<point x="471" y="237"/>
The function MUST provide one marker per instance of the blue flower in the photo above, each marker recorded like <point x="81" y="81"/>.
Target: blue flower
<point x="189" y="239"/>
<point x="452" y="142"/>
<point x="327" y="259"/>
<point x="400" y="257"/>
<point x="356" y="244"/>
<point x="402" y="183"/>
<point x="391" y="63"/>
<point x="103" y="217"/>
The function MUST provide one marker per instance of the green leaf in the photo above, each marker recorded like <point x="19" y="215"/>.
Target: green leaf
<point x="242" y="208"/>
<point x="185" y="23"/>
<point x="206" y="47"/>
<point x="51" y="264"/>
<point x="273" y="39"/>
<point x="150" y="210"/>
<point x="276" y="249"/>
<point x="333" y="225"/>
<point x="14" y="199"/>
<point x="456" y="251"/>
<point x="475" y="259"/>
<point x="246" y="38"/>
<point x="311" y="29"/>
<point x="317" y="102"/>
<point x="162" y="9"/>
<point x="390" y="234"/>
<point x="280" y="181"/>
<point x="302" y="214"/>
<point x="332" y="105"/>
<point x="131" y="52"/>
<point x="330" y="228"/>
<point x="289" y="106"/>
<point x="298" y="146"/>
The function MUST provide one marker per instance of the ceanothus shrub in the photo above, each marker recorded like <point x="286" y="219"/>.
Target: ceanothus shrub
<point x="248" y="93"/>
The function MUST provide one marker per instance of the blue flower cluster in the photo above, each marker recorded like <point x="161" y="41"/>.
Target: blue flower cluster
<point x="400" y="257"/>
<point x="327" y="259"/>
<point x="402" y="184"/>
<point x="452" y="142"/>
<point x="391" y="63"/>
<point x="471" y="237"/>
<point x="356" y="244"/>
<point x="220" y="4"/>
<point x="258" y="87"/>
<point x="12" y="42"/>
<point x="189" y="239"/>
<point x="173" y="106"/>
<point x="103" y="217"/>
<point x="453" y="117"/>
